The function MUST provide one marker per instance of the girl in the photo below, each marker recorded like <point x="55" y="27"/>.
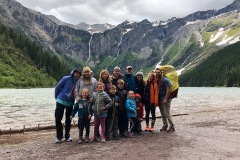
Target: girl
<point x="131" y="111"/>
<point x="84" y="110"/>
<point x="102" y="102"/>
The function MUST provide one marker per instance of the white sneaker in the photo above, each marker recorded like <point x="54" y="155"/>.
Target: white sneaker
<point x="58" y="141"/>
<point x="69" y="139"/>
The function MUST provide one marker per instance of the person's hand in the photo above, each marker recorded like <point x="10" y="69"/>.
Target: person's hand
<point x="138" y="108"/>
<point x="165" y="101"/>
<point x="91" y="100"/>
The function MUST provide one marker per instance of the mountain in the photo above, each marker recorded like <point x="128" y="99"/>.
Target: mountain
<point x="183" y="42"/>
<point x="220" y="69"/>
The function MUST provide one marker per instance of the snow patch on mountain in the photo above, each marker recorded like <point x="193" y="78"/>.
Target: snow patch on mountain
<point x="224" y="41"/>
<point x="235" y="40"/>
<point x="214" y="38"/>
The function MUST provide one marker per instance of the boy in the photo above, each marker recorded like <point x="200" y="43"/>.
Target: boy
<point x="101" y="103"/>
<point x="122" y="113"/>
<point x="112" y="115"/>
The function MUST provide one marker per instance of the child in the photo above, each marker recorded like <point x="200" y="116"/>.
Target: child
<point x="131" y="111"/>
<point x="138" y="127"/>
<point x="112" y="115"/>
<point x="122" y="112"/>
<point x="101" y="103"/>
<point x="84" y="110"/>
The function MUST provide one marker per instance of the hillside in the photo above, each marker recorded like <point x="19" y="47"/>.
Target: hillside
<point x="24" y="64"/>
<point x="220" y="69"/>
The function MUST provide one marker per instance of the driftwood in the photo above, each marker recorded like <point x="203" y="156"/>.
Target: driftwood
<point x="41" y="128"/>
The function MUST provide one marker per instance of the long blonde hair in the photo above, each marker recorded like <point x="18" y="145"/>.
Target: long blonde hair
<point x="100" y="76"/>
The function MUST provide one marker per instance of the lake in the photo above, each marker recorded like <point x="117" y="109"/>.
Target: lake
<point x="31" y="107"/>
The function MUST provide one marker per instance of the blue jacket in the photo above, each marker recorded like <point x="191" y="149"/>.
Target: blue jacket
<point x="65" y="88"/>
<point x="83" y="110"/>
<point x="130" y="82"/>
<point x="131" y="107"/>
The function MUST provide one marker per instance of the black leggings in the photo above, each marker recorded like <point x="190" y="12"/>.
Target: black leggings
<point x="150" y="107"/>
<point x="84" y="123"/>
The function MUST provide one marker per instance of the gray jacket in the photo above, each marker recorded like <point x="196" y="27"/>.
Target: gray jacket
<point x="101" y="103"/>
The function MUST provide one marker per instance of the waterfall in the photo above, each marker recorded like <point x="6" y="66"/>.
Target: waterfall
<point x="118" y="49"/>
<point x="89" y="50"/>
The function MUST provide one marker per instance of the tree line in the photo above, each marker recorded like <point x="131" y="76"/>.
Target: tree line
<point x="220" y="69"/>
<point x="40" y="58"/>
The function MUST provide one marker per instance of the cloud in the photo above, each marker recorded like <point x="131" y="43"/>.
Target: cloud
<point x="115" y="12"/>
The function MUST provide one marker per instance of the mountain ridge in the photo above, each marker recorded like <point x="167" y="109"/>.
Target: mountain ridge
<point x="183" y="42"/>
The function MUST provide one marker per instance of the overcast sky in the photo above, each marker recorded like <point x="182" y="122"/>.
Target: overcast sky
<point x="117" y="11"/>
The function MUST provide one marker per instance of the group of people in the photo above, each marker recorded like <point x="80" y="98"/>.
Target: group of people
<point x="116" y="101"/>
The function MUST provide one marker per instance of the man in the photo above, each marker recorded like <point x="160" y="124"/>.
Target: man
<point x="129" y="79"/>
<point x="164" y="101"/>
<point x="116" y="75"/>
<point x="64" y="95"/>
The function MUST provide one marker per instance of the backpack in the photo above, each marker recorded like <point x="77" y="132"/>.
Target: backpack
<point x="170" y="73"/>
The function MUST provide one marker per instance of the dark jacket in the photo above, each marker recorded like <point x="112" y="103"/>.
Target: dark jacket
<point x="140" y="86"/>
<point x="122" y="94"/>
<point x="113" y="111"/>
<point x="83" y="109"/>
<point x="130" y="82"/>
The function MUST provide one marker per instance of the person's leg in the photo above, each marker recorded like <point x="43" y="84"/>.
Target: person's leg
<point x="168" y="114"/>
<point x="147" y="110"/>
<point x="102" y="122"/>
<point x="153" y="113"/>
<point x="81" y="124"/>
<point x="59" y="111"/>
<point x="115" y="127"/>
<point x="132" y="124"/>
<point x="164" y="119"/>
<point x="121" y="124"/>
<point x="87" y="127"/>
<point x="108" y="123"/>
<point x="68" y="121"/>
<point x="96" y="126"/>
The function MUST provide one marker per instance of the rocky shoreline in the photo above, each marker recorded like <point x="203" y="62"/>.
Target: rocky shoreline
<point x="201" y="135"/>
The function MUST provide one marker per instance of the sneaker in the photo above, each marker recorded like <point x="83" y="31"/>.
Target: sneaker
<point x="103" y="140"/>
<point x="163" y="129"/>
<point x="69" y="139"/>
<point x="151" y="129"/>
<point x="58" y="141"/>
<point x="80" y="140"/>
<point x="131" y="135"/>
<point x="107" y="138"/>
<point x="171" y="129"/>
<point x="146" y="129"/>
<point x="93" y="140"/>
<point x="86" y="140"/>
<point x="115" y="137"/>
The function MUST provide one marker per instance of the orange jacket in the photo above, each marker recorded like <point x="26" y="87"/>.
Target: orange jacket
<point x="154" y="92"/>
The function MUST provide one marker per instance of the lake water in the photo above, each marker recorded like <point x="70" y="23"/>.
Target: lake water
<point x="31" y="107"/>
